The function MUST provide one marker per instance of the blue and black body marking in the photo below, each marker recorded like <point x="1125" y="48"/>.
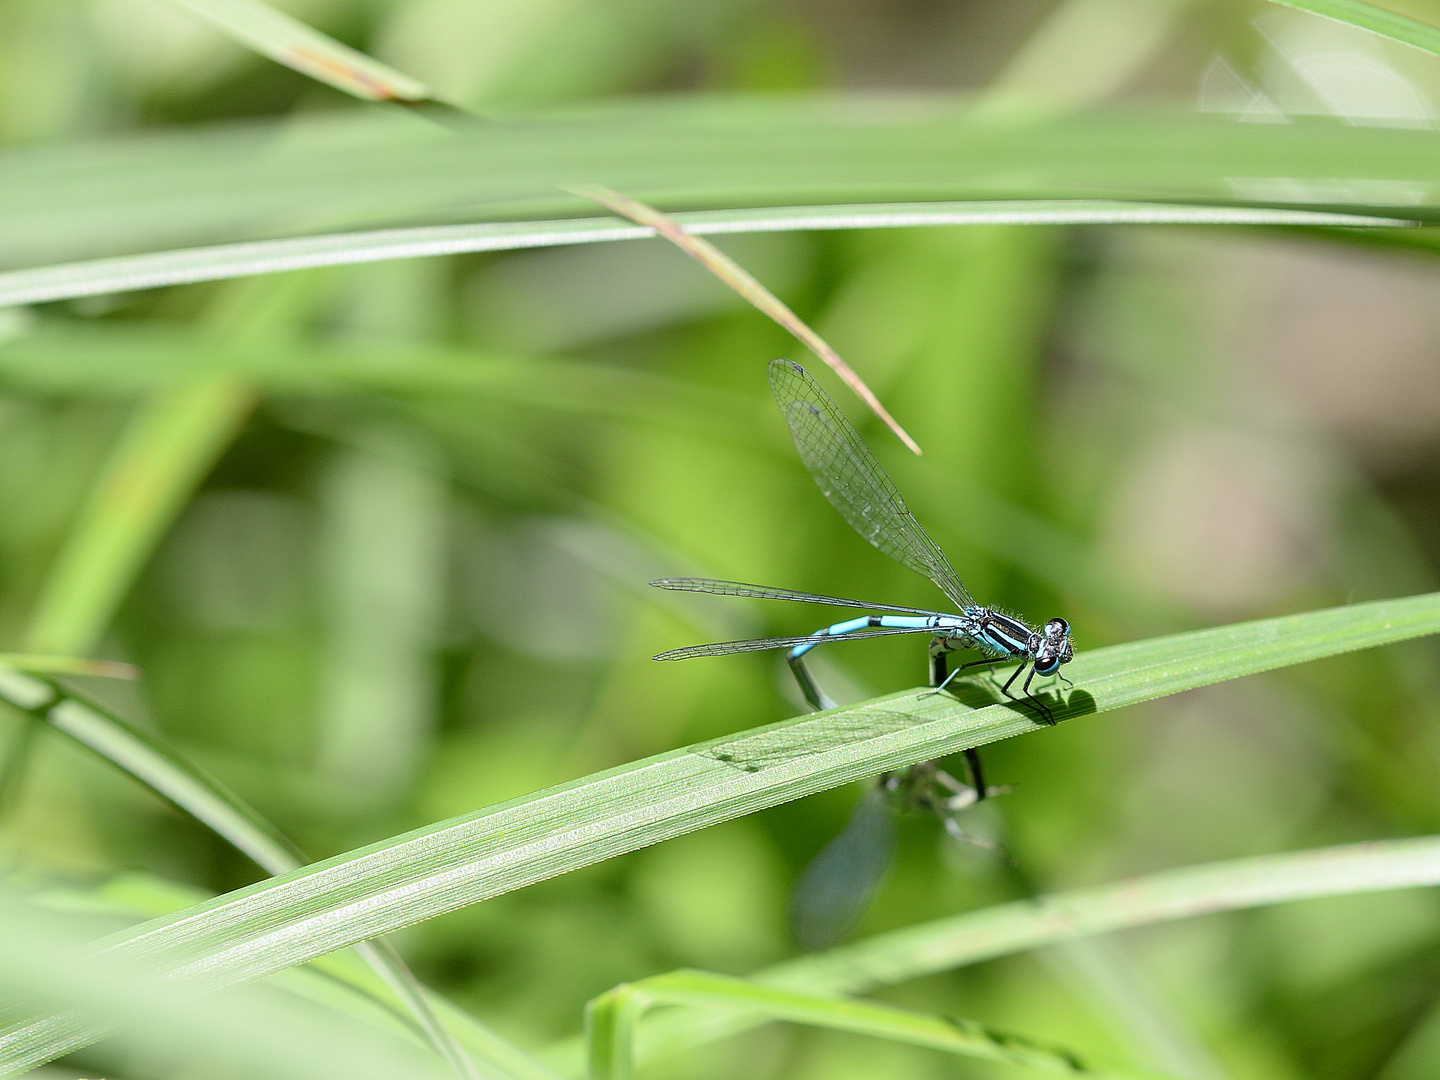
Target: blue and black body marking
<point x="834" y="889"/>
<point x="852" y="479"/>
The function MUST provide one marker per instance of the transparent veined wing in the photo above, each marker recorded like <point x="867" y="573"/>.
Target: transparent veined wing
<point x="852" y="479"/>
<point x="725" y="648"/>
<point x="765" y="592"/>
<point x="835" y="889"/>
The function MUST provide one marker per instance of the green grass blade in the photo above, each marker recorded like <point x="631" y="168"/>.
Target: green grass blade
<point x="45" y="963"/>
<point x="276" y="924"/>
<point x="155" y="192"/>
<point x="1377" y="20"/>
<point x="128" y="273"/>
<point x="124" y="359"/>
<point x="291" y="42"/>
<point x="170" y="443"/>
<point x="142" y="896"/>
<point x="612" y="1017"/>
<point x="974" y="936"/>
<point x="153" y="763"/>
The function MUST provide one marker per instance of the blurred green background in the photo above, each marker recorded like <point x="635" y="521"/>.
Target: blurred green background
<point x="394" y="602"/>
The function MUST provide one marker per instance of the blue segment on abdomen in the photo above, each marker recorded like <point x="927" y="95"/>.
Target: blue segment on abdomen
<point x="902" y="622"/>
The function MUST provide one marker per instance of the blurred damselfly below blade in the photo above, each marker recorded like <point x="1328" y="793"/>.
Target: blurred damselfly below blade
<point x="834" y="890"/>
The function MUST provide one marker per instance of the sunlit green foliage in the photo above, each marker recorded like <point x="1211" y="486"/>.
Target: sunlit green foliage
<point x="378" y="535"/>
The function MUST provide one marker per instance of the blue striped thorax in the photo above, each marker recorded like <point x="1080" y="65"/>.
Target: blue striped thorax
<point x="1005" y="635"/>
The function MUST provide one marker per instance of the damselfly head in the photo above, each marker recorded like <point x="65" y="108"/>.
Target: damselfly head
<point x="1054" y="648"/>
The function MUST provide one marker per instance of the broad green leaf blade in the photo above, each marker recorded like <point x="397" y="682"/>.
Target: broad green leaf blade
<point x="945" y="944"/>
<point x="201" y="187"/>
<point x="276" y="924"/>
<point x="168" y="446"/>
<point x="1377" y="20"/>
<point x="612" y="1017"/>
<point x="291" y="42"/>
<point x="129" y="273"/>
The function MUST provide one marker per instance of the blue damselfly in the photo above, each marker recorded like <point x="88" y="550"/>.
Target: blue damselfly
<point x="851" y="478"/>
<point x="833" y="891"/>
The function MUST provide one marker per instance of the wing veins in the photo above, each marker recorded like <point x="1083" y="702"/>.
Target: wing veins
<point x="854" y="482"/>
<point x="766" y="592"/>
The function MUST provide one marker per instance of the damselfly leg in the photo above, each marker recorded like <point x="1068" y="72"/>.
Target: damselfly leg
<point x="1034" y="702"/>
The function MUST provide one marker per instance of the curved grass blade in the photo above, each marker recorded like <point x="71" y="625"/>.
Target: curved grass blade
<point x="170" y="443"/>
<point x="744" y="283"/>
<point x="285" y="921"/>
<point x="361" y="988"/>
<point x="153" y="763"/>
<point x="128" y="273"/>
<point x="612" y="1017"/>
<point x="149" y="192"/>
<point x="291" y="42"/>
<point x="1377" y="20"/>
<point x="45" y="962"/>
<point x="1021" y="925"/>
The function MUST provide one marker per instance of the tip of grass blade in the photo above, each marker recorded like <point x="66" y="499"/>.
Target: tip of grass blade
<point x="865" y="394"/>
<point x="739" y="279"/>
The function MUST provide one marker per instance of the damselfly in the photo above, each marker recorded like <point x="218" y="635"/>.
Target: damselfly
<point x="852" y="479"/>
<point x="835" y="888"/>
<point x="833" y="891"/>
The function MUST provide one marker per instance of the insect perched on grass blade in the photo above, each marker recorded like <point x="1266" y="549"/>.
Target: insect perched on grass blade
<point x="835" y="888"/>
<point x="852" y="479"/>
